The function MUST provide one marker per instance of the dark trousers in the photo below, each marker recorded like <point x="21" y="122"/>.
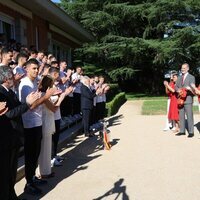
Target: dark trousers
<point x="8" y="172"/>
<point x="94" y="115"/>
<point x="70" y="106"/>
<point x="55" y="137"/>
<point x="77" y="103"/>
<point x="32" y="146"/>
<point x="86" y="120"/>
<point x="63" y="107"/>
<point x="66" y="106"/>
<point x="100" y="110"/>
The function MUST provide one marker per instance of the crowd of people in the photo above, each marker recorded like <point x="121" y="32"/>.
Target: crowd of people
<point x="36" y="91"/>
<point x="180" y="90"/>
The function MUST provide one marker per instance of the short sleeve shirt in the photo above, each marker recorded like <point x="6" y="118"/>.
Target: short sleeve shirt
<point x="31" y="118"/>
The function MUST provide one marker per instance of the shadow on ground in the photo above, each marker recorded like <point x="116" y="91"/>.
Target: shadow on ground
<point x="75" y="161"/>
<point x="115" y="120"/>
<point x="117" y="190"/>
<point x="197" y="125"/>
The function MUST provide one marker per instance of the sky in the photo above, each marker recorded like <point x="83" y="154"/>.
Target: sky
<point x="56" y="1"/>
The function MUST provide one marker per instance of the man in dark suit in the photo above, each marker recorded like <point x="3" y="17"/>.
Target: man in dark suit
<point x="87" y="98"/>
<point x="185" y="81"/>
<point x="11" y="132"/>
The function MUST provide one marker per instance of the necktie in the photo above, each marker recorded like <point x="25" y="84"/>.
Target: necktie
<point x="182" y="79"/>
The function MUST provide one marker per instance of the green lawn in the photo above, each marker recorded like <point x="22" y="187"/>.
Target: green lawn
<point x="153" y="105"/>
<point x="158" y="107"/>
<point x="142" y="96"/>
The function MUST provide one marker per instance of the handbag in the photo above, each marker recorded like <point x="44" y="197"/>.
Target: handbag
<point x="182" y="97"/>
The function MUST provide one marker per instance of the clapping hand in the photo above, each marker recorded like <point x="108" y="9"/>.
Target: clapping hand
<point x="18" y="77"/>
<point x="188" y="87"/>
<point x="193" y="86"/>
<point x="99" y="91"/>
<point x="50" y="92"/>
<point x="165" y="83"/>
<point x="57" y="92"/>
<point x="191" y="89"/>
<point x="69" y="90"/>
<point x="32" y="97"/>
<point x="3" y="108"/>
<point x="41" y="67"/>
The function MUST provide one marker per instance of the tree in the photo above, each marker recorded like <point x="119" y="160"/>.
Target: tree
<point x="138" y="39"/>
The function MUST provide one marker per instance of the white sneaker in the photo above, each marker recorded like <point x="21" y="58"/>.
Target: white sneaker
<point x="166" y="129"/>
<point x="173" y="129"/>
<point x="55" y="163"/>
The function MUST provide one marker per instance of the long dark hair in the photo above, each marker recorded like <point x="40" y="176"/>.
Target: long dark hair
<point x="45" y="83"/>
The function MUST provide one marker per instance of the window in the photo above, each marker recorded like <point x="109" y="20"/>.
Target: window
<point x="61" y="51"/>
<point x="7" y="28"/>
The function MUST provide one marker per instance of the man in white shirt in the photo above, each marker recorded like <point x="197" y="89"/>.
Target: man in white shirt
<point x="63" y="84"/>
<point x="76" y="77"/>
<point x="54" y="73"/>
<point x="32" y="121"/>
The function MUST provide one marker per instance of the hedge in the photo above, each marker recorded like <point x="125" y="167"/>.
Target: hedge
<point x="114" y="105"/>
<point x="114" y="90"/>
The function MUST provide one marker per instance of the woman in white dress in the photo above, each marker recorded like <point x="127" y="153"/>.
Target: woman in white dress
<point x="48" y="126"/>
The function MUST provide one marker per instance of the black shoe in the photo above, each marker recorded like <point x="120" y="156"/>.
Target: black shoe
<point x="179" y="134"/>
<point x="191" y="135"/>
<point x="39" y="181"/>
<point x="91" y="135"/>
<point x="30" y="188"/>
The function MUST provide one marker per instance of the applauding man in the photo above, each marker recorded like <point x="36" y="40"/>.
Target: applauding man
<point x="184" y="83"/>
<point x="12" y="131"/>
<point x="32" y="121"/>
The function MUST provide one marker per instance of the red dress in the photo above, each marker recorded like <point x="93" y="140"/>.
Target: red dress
<point x="173" y="107"/>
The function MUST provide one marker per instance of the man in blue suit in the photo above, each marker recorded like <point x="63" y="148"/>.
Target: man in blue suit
<point x="87" y="98"/>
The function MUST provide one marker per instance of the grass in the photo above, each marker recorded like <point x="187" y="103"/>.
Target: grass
<point x="153" y="105"/>
<point x="142" y="96"/>
<point x="158" y="107"/>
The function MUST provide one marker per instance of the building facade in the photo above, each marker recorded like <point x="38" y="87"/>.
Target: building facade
<point x="43" y="24"/>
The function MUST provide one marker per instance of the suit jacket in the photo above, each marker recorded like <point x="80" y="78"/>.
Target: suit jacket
<point x="87" y="98"/>
<point x="187" y="82"/>
<point x="11" y="122"/>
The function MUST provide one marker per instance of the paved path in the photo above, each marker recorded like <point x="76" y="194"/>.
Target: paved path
<point x="144" y="163"/>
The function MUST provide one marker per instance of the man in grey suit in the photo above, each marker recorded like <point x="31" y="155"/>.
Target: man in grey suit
<point x="185" y="81"/>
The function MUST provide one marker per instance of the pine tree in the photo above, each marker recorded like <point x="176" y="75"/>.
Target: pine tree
<point x="138" y="39"/>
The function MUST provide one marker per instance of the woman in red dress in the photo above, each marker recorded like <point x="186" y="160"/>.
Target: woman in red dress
<point x="173" y="114"/>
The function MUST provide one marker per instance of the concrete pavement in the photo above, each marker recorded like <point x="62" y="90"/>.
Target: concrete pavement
<point x="144" y="163"/>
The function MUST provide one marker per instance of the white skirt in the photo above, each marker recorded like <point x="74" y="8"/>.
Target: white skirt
<point x="48" y="128"/>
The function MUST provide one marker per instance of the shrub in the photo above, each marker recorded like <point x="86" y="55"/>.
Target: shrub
<point x="114" y="89"/>
<point x="114" y="105"/>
